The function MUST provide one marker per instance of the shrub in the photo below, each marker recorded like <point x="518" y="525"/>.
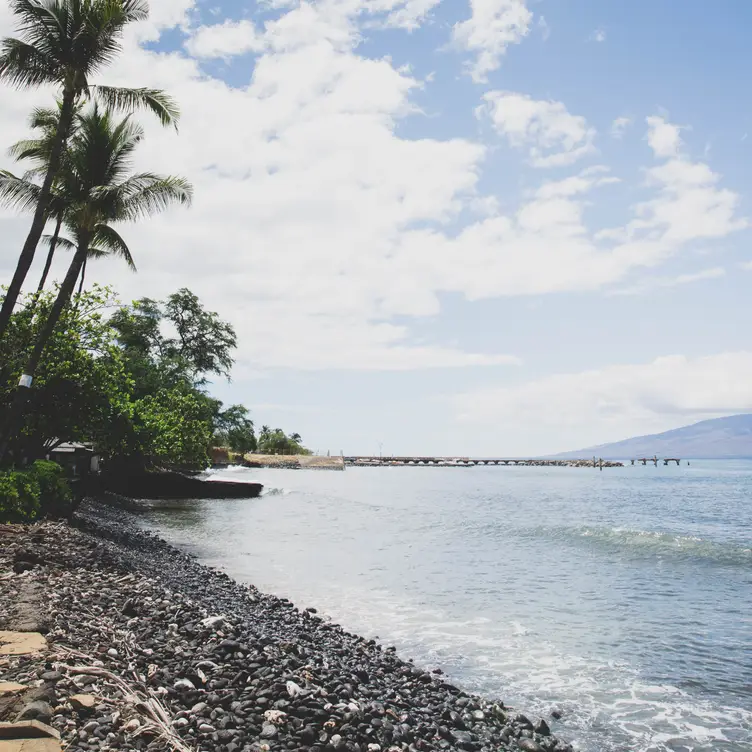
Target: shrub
<point x="55" y="493"/>
<point x="26" y="494"/>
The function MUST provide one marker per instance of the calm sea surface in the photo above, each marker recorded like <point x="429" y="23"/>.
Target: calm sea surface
<point x="624" y="597"/>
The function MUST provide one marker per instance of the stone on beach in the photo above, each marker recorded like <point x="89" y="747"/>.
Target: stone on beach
<point x="261" y="676"/>
<point x="21" y="643"/>
<point x="82" y="702"/>
<point x="11" y="688"/>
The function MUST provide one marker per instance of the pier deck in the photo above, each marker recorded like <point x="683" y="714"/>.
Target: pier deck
<point x="372" y="461"/>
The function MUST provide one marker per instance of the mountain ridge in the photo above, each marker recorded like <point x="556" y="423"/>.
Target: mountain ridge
<point x="729" y="437"/>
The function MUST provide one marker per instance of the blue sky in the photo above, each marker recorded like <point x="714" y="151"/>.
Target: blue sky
<point x="487" y="227"/>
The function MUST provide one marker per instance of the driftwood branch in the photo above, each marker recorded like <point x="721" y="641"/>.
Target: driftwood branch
<point x="146" y="705"/>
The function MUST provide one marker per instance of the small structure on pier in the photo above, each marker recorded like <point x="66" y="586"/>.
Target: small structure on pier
<point x="655" y="460"/>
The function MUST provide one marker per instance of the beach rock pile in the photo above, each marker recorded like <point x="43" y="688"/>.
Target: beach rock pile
<point x="139" y="632"/>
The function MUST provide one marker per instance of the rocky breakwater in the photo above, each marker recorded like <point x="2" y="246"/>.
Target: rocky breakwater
<point x="148" y="650"/>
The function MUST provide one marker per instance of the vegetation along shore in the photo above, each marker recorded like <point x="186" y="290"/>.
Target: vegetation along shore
<point x="76" y="364"/>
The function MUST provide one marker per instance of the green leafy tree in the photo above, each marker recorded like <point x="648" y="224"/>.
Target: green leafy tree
<point x="63" y="43"/>
<point x="100" y="190"/>
<point x="171" y="347"/>
<point x="203" y="342"/>
<point x="85" y="391"/>
<point x="82" y="387"/>
<point x="170" y="428"/>
<point x="234" y="429"/>
<point x="275" y="441"/>
<point x="202" y="347"/>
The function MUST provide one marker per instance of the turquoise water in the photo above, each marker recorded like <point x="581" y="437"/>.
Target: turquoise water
<point x="623" y="597"/>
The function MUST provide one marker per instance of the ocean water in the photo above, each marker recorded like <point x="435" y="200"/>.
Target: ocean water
<point x="624" y="597"/>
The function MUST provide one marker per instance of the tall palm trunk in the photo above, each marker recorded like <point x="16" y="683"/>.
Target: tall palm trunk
<point x="48" y="263"/>
<point x="83" y="275"/>
<point x="40" y="215"/>
<point x="20" y="398"/>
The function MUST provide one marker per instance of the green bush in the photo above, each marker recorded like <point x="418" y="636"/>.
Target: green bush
<point x="28" y="493"/>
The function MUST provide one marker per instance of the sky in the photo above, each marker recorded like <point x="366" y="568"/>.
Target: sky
<point x="469" y="227"/>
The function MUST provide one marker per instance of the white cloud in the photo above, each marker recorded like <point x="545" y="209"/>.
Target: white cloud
<point x="553" y="135"/>
<point x="493" y="25"/>
<point x="663" y="137"/>
<point x="407" y="14"/>
<point x="619" y="127"/>
<point x="302" y="188"/>
<point x="655" y="283"/>
<point x="316" y="225"/>
<point x="599" y="35"/>
<point x="331" y="20"/>
<point x="545" y="245"/>
<point x="225" y="40"/>
<point x="608" y="404"/>
<point x="163" y="14"/>
<point x="688" y="206"/>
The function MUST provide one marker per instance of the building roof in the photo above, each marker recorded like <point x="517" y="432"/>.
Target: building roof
<point x="71" y="447"/>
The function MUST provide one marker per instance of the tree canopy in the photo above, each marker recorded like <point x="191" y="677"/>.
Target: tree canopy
<point x="276" y="441"/>
<point x="119" y="377"/>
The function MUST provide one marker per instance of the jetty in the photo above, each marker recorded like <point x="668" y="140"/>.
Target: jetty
<point x="374" y="461"/>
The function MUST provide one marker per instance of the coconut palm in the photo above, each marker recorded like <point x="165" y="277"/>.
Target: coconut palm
<point x="14" y="192"/>
<point x="99" y="191"/>
<point x="63" y="43"/>
<point x="23" y="192"/>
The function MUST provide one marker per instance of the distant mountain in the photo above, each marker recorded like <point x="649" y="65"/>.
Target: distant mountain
<point x="719" y="438"/>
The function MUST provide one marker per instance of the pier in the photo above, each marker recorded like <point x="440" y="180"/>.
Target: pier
<point x="372" y="461"/>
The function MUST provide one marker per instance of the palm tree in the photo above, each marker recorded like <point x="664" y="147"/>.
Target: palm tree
<point x="99" y="191"/>
<point x="23" y="192"/>
<point x="64" y="42"/>
<point x="16" y="191"/>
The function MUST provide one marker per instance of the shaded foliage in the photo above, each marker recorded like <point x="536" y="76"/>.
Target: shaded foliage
<point x="81" y="387"/>
<point x="28" y="493"/>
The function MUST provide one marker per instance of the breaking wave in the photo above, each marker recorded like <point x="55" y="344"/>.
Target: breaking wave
<point x="654" y="543"/>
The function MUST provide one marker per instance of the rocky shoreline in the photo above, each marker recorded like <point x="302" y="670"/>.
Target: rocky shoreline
<point x="148" y="649"/>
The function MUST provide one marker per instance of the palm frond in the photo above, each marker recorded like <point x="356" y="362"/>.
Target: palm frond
<point x="129" y="100"/>
<point x="135" y="10"/>
<point x="28" y="148"/>
<point x="24" y="66"/>
<point x="108" y="241"/>
<point x="106" y="20"/>
<point x="43" y="23"/>
<point x="156" y="196"/>
<point x="124" y="139"/>
<point x="18" y="193"/>
<point x="96" y="253"/>
<point x="60" y="242"/>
